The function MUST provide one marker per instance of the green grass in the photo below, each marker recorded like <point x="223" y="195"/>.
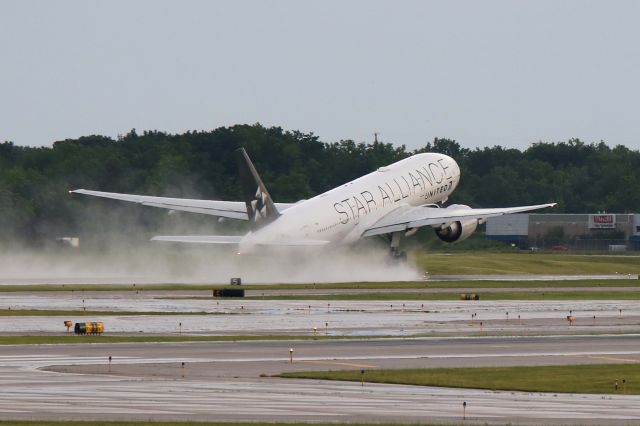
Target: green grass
<point x="592" y="378"/>
<point x="73" y="339"/>
<point x="328" y="286"/>
<point x="563" y="295"/>
<point x="490" y="263"/>
<point x="530" y="284"/>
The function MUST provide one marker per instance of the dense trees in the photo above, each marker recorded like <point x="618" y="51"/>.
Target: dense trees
<point x="35" y="205"/>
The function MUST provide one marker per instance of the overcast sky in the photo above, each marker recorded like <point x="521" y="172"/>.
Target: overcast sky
<point x="484" y="73"/>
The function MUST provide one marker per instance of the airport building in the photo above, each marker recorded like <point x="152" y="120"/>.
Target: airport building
<point x="588" y="232"/>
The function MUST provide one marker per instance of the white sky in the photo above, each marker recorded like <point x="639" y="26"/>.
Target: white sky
<point x="481" y="72"/>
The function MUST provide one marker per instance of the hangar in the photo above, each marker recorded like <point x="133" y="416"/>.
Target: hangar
<point x="587" y="232"/>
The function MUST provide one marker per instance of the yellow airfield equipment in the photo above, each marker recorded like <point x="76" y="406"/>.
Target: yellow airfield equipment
<point x="89" y="328"/>
<point x="469" y="296"/>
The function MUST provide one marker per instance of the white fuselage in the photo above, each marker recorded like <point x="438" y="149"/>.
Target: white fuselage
<point x="342" y="214"/>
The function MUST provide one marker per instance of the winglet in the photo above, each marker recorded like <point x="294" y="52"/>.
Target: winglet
<point x="260" y="207"/>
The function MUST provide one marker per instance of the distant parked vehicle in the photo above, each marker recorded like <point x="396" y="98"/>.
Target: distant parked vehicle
<point x="559" y="248"/>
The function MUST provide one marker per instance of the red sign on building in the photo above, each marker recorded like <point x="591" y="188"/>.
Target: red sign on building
<point x="602" y="221"/>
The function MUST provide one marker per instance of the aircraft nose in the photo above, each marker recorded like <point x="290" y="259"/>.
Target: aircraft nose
<point x="456" y="172"/>
<point x="456" y="169"/>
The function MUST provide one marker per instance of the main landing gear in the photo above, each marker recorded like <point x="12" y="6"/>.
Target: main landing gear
<point x="395" y="254"/>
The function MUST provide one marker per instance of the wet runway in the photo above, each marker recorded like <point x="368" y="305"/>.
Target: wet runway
<point x="231" y="380"/>
<point x="335" y="318"/>
<point x="226" y="381"/>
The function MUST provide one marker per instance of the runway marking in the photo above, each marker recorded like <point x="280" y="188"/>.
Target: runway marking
<point x="612" y="358"/>
<point x="345" y="364"/>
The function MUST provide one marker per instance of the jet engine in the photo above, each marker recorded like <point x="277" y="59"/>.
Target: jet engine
<point x="457" y="231"/>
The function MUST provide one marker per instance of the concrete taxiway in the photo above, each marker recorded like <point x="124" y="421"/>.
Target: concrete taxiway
<point x="226" y="381"/>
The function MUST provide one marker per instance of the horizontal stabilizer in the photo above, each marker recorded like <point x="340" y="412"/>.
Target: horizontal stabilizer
<point x="199" y="239"/>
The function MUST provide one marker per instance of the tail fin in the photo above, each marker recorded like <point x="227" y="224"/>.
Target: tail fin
<point x="260" y="207"/>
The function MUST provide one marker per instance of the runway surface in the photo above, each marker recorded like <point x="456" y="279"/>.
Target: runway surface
<point x="230" y="380"/>
<point x="223" y="381"/>
<point x="336" y="318"/>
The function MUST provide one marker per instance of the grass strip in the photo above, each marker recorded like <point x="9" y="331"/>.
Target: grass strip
<point x="589" y="378"/>
<point x="530" y="284"/>
<point x="484" y="262"/>
<point x="140" y="289"/>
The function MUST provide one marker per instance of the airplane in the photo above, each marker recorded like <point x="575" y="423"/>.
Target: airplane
<point x="392" y="202"/>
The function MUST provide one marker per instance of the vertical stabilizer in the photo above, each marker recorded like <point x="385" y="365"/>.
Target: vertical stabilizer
<point x="260" y="207"/>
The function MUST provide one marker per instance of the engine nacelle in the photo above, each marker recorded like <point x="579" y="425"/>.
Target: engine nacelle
<point x="457" y="231"/>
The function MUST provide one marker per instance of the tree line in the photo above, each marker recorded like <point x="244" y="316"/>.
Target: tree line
<point x="35" y="206"/>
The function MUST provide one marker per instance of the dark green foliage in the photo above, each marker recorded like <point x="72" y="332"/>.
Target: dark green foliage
<point x="35" y="206"/>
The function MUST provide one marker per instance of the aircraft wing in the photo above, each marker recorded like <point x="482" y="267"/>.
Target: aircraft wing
<point x="229" y="209"/>
<point x="407" y="217"/>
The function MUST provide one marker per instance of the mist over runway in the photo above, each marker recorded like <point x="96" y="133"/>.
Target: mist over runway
<point x="161" y="264"/>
